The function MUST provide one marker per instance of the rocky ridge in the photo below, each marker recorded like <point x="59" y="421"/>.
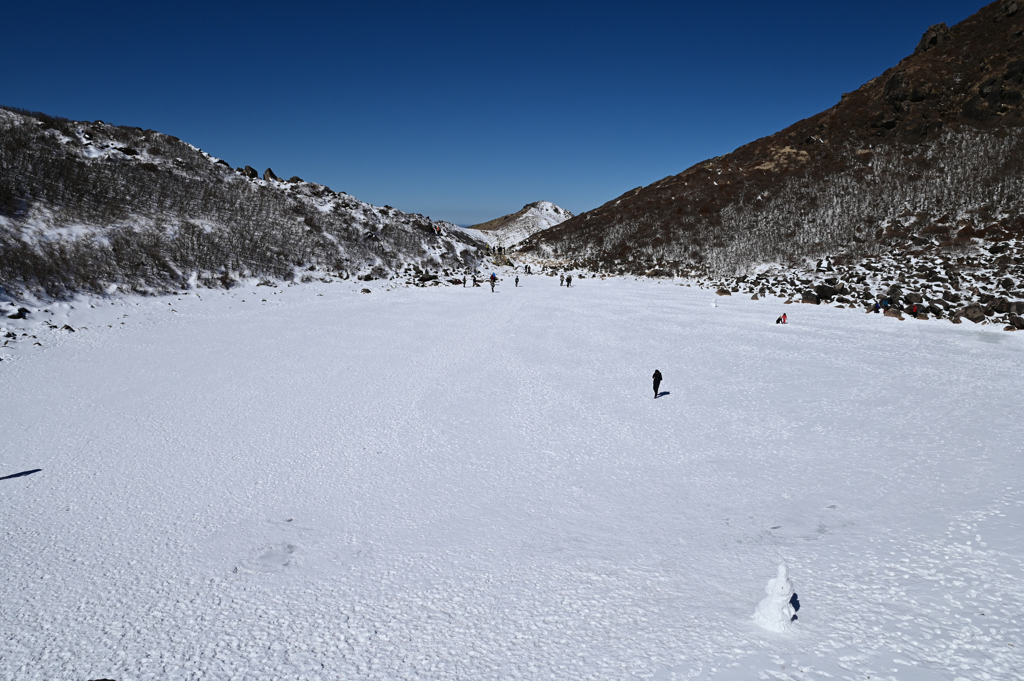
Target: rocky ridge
<point x="928" y="155"/>
<point x="92" y="207"/>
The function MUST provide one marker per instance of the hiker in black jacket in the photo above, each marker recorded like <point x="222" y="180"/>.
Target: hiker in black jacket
<point x="657" y="382"/>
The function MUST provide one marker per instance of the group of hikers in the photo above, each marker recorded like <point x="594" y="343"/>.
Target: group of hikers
<point x="885" y="304"/>
<point x="563" y="280"/>
<point x="493" y="279"/>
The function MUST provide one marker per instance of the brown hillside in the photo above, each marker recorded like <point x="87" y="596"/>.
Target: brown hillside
<point x="932" y="146"/>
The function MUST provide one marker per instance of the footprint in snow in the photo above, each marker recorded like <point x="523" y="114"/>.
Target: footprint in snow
<point x="274" y="558"/>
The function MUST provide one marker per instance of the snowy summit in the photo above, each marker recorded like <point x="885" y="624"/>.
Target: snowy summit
<point x="509" y="230"/>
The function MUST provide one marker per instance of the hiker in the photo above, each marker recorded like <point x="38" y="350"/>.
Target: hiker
<point x="517" y="281"/>
<point x="568" y="281"/>
<point x="463" y="281"/>
<point x="475" y="284"/>
<point x="494" y="280"/>
<point x="784" y="319"/>
<point x="657" y="382"/>
<point x="561" y="279"/>
<point x="913" y="311"/>
<point x="778" y="320"/>
<point x="877" y="308"/>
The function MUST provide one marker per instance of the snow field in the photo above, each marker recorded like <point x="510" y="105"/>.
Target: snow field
<point x="448" y="483"/>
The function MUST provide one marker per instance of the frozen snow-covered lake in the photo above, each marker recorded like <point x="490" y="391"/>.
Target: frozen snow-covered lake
<point x="448" y="483"/>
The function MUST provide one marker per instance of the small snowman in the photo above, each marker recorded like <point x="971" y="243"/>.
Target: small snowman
<point x="778" y="611"/>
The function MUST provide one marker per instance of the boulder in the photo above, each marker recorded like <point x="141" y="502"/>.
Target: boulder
<point x="250" y="172"/>
<point x="825" y="292"/>
<point x="295" y="178"/>
<point x="754" y="297"/>
<point x="1017" y="307"/>
<point x="914" y="298"/>
<point x="724" y="292"/>
<point x="1007" y="283"/>
<point x="269" y="175"/>
<point x="366" y="290"/>
<point x="973" y="312"/>
<point x="893" y="312"/>
<point x="809" y="297"/>
<point x="427" y="277"/>
<point x="1017" y="322"/>
<point x="1009" y="328"/>
<point x="1001" y="305"/>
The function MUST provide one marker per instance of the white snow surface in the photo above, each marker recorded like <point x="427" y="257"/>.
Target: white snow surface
<point x="445" y="483"/>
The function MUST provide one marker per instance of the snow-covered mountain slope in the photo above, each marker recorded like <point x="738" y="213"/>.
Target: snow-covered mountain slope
<point x="451" y="483"/>
<point x="87" y="205"/>
<point x="509" y="230"/>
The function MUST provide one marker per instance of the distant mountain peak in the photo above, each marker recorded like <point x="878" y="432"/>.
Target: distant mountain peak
<point x="509" y="230"/>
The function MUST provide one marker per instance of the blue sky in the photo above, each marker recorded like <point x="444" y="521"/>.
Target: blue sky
<point x="460" y="111"/>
